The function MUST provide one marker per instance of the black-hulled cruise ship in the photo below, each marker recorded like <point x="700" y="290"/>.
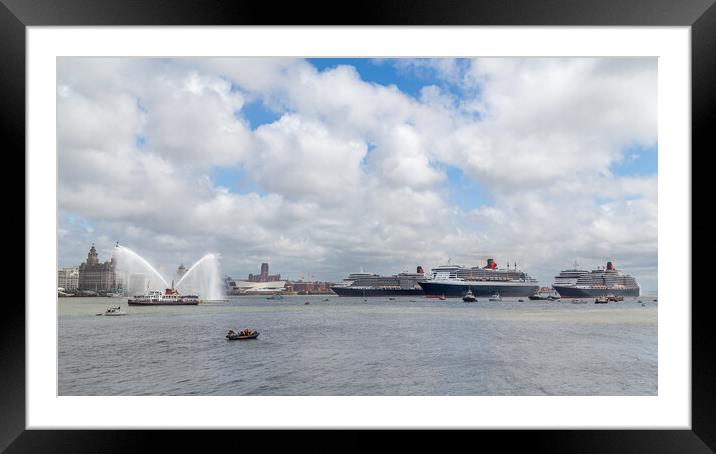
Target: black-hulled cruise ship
<point x="369" y="284"/>
<point x="453" y="280"/>
<point x="576" y="283"/>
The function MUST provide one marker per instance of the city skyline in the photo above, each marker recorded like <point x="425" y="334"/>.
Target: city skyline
<point x="327" y="166"/>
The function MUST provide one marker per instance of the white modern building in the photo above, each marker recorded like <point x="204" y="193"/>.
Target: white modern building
<point x="235" y="287"/>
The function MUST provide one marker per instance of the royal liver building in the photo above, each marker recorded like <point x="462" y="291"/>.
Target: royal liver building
<point x="97" y="276"/>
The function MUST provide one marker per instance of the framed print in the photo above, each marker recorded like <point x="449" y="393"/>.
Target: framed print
<point x="459" y="218"/>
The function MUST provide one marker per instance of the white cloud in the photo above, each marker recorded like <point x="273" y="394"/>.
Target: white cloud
<point x="349" y="175"/>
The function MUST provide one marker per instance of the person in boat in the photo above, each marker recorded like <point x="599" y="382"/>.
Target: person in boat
<point x="232" y="332"/>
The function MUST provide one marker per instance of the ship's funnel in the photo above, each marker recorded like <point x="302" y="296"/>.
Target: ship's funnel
<point x="610" y="267"/>
<point x="420" y="270"/>
<point x="491" y="264"/>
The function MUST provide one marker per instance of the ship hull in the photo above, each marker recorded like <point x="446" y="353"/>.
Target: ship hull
<point x="158" y="303"/>
<point x="573" y="292"/>
<point x="373" y="292"/>
<point x="478" y="289"/>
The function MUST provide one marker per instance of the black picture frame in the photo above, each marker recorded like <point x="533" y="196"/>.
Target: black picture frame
<point x="700" y="15"/>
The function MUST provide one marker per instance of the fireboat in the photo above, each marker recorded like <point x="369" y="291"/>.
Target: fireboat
<point x="170" y="297"/>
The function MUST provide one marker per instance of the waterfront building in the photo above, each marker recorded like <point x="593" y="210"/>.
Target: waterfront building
<point x="302" y="287"/>
<point x="238" y="287"/>
<point x="97" y="276"/>
<point x="68" y="279"/>
<point x="256" y="284"/>
<point x="264" y="276"/>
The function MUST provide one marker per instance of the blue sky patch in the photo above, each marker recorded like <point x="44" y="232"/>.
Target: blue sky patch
<point x="140" y="106"/>
<point x="235" y="179"/>
<point x="257" y="114"/>
<point x="465" y="192"/>
<point x="639" y="160"/>
<point x="409" y="79"/>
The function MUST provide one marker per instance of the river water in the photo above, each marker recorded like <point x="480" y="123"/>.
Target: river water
<point x="348" y="346"/>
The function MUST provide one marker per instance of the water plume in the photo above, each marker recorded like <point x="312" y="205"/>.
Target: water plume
<point x="129" y="262"/>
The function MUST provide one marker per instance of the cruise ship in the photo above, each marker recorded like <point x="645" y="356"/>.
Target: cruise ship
<point x="576" y="283"/>
<point x="455" y="281"/>
<point x="369" y="284"/>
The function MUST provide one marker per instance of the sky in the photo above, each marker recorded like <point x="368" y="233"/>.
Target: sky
<point x="323" y="167"/>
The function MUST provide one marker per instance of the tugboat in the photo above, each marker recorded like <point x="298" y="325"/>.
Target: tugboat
<point x="601" y="300"/>
<point x="244" y="334"/>
<point x="469" y="297"/>
<point x="170" y="297"/>
<point x="615" y="298"/>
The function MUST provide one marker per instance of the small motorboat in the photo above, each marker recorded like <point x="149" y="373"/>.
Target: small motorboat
<point x="495" y="297"/>
<point x="615" y="298"/>
<point x="601" y="300"/>
<point x="469" y="297"/>
<point x="275" y="297"/>
<point x="520" y="300"/>
<point x="307" y="302"/>
<point x="442" y="298"/>
<point x="545" y="293"/>
<point x="243" y="334"/>
<point x="113" y="311"/>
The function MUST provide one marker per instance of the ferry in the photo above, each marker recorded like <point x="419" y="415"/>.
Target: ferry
<point x="170" y="297"/>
